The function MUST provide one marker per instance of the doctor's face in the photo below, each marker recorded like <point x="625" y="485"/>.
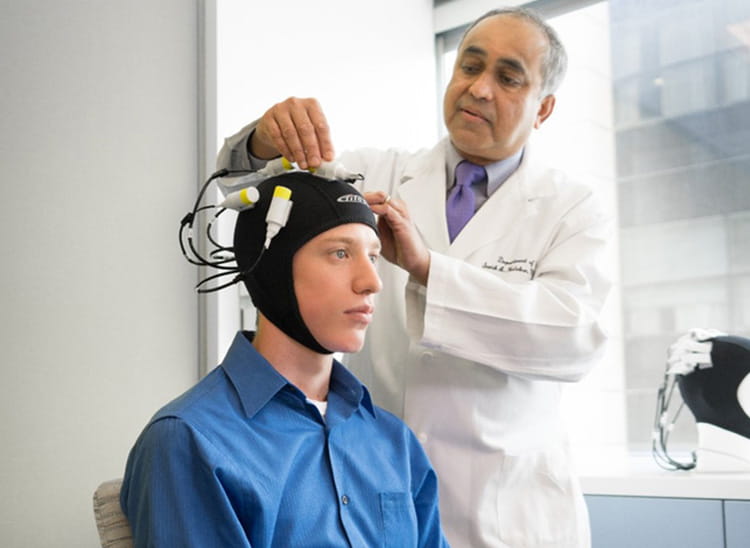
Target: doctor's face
<point x="335" y="281"/>
<point x="493" y="101"/>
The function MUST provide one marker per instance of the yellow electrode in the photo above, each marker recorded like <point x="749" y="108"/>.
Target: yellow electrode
<point x="282" y="192"/>
<point x="246" y="198"/>
<point x="286" y="164"/>
<point x="241" y="199"/>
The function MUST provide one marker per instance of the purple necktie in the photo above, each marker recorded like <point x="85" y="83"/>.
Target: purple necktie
<point x="460" y="205"/>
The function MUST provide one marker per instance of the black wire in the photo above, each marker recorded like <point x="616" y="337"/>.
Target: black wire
<point x="210" y="237"/>
<point x="238" y="278"/>
<point x="195" y="257"/>
<point x="215" y="175"/>
<point x="191" y="254"/>
<point x="187" y="223"/>
<point x="226" y="264"/>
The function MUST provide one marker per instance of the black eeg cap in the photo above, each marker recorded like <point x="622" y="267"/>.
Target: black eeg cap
<point x="711" y="393"/>
<point x="318" y="205"/>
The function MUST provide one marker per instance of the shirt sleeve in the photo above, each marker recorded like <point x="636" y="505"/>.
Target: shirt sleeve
<point x="428" y="516"/>
<point x="426" y="503"/>
<point x="547" y="328"/>
<point x="172" y="493"/>
<point x="234" y="153"/>
<point x="380" y="166"/>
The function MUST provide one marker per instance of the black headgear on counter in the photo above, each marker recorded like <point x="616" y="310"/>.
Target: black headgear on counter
<point x="709" y="368"/>
<point x="711" y="393"/>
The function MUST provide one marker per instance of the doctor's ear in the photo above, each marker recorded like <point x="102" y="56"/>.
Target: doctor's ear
<point x="545" y="110"/>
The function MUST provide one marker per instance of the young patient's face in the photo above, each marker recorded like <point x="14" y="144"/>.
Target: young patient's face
<point x="335" y="281"/>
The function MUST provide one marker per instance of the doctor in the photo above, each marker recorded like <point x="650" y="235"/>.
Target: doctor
<point x="478" y="325"/>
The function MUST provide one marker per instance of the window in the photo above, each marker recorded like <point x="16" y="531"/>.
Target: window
<point x="655" y="111"/>
<point x="682" y="135"/>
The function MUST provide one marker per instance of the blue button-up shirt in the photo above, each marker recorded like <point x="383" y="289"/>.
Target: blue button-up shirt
<point x="243" y="459"/>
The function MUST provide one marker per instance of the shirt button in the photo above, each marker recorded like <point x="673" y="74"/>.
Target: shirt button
<point x="344" y="499"/>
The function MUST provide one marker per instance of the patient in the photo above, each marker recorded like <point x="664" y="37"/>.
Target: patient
<point x="280" y="445"/>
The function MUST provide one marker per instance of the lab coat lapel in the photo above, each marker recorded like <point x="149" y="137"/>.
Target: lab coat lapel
<point x="423" y="190"/>
<point x="513" y="201"/>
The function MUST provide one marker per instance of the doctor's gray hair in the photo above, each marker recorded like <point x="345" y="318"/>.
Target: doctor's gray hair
<point x="555" y="62"/>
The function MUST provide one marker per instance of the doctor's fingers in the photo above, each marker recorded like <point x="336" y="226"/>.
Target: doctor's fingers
<point x="401" y="229"/>
<point x="377" y="198"/>
<point x="402" y="241"/>
<point x="300" y="131"/>
<point x="383" y="204"/>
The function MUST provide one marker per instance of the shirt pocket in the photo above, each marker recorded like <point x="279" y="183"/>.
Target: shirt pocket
<point x="399" y="520"/>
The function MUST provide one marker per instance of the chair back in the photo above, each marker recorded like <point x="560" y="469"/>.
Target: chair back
<point x="114" y="529"/>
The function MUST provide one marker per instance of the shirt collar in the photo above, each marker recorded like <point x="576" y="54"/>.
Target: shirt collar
<point x="497" y="172"/>
<point x="257" y="382"/>
<point x="345" y="385"/>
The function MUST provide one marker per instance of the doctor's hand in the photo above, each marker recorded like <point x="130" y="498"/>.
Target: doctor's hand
<point x="401" y="242"/>
<point x="296" y="129"/>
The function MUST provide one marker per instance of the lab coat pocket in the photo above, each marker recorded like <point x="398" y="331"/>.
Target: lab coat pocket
<point x="537" y="502"/>
<point x="399" y="520"/>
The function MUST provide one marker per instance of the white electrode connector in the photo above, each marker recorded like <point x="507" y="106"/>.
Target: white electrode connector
<point x="227" y="185"/>
<point x="336" y="170"/>
<point x="241" y="199"/>
<point x="327" y="170"/>
<point x="278" y="212"/>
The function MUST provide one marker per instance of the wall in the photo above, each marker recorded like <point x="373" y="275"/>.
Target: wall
<point x="371" y="65"/>
<point x="98" y="148"/>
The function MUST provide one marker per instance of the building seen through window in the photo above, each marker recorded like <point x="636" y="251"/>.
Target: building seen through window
<point x="681" y="94"/>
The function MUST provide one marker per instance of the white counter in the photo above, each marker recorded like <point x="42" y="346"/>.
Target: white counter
<point x="639" y="475"/>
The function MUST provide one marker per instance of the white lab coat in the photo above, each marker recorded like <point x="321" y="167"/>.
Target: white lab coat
<point x="473" y="362"/>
